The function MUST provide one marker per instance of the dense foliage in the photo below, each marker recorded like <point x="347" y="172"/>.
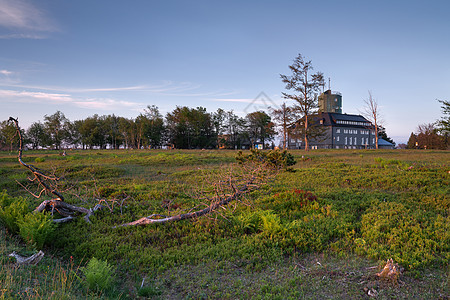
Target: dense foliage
<point x="183" y="128"/>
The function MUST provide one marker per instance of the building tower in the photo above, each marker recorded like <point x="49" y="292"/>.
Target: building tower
<point x="330" y="102"/>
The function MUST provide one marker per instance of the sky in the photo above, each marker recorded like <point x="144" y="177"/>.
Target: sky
<point x="105" y="57"/>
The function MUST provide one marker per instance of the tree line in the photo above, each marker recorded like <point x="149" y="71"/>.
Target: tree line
<point x="432" y="135"/>
<point x="182" y="128"/>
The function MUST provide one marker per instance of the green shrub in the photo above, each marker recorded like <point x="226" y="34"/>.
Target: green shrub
<point x="248" y="222"/>
<point x="273" y="158"/>
<point x="39" y="159"/>
<point x="99" y="275"/>
<point x="12" y="210"/>
<point x="36" y="228"/>
<point x="258" y="221"/>
<point x="271" y="223"/>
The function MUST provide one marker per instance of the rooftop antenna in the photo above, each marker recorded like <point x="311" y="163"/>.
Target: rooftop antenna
<point x="329" y="83"/>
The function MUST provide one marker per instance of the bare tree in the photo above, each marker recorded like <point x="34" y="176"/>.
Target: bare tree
<point x="306" y="87"/>
<point x="284" y="117"/>
<point x="372" y="112"/>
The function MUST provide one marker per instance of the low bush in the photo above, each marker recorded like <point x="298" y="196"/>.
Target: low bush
<point x="36" y="229"/>
<point x="99" y="275"/>
<point x="39" y="159"/>
<point x="12" y="210"/>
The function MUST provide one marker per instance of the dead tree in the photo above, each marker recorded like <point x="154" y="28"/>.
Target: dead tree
<point x="48" y="184"/>
<point x="254" y="171"/>
<point x="372" y="113"/>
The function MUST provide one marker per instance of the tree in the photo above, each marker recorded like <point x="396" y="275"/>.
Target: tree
<point x="154" y="130"/>
<point x="127" y="131"/>
<point x="73" y="136"/>
<point x="428" y="138"/>
<point x="284" y="117"/>
<point x="230" y="131"/>
<point x="112" y="128"/>
<point x="306" y="87"/>
<point x="190" y="128"/>
<point x="260" y="127"/>
<point x="372" y="112"/>
<point x="93" y="132"/>
<point x="36" y="135"/>
<point x="382" y="134"/>
<point x="54" y="126"/>
<point x="443" y="125"/>
<point x="8" y="135"/>
<point x="412" y="141"/>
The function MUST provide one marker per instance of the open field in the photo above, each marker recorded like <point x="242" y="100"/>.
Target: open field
<point x="321" y="231"/>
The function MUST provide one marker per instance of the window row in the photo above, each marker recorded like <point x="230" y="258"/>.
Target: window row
<point x="354" y="131"/>
<point x="353" y="123"/>
<point x="354" y="140"/>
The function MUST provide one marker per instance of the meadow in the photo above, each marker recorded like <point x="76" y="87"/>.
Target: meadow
<point x="320" y="230"/>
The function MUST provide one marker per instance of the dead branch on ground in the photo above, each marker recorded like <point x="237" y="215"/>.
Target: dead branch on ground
<point x="48" y="184"/>
<point x="254" y="172"/>
<point x="32" y="260"/>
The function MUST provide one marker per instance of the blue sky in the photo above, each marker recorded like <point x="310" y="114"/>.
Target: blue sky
<point x="103" y="57"/>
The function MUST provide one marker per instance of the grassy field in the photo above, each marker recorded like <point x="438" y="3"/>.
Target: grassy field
<point x="321" y="231"/>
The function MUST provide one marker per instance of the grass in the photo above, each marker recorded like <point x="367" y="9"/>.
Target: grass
<point x="322" y="231"/>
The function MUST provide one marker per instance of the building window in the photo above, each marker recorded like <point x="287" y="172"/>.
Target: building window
<point x="337" y="139"/>
<point x="345" y="140"/>
<point x="338" y="130"/>
<point x="350" y="140"/>
<point x="362" y="141"/>
<point x="367" y="141"/>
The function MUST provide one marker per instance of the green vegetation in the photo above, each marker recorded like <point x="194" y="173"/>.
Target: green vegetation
<point x="314" y="232"/>
<point x="99" y="275"/>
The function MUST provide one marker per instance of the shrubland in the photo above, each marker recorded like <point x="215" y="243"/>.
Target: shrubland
<point x="318" y="229"/>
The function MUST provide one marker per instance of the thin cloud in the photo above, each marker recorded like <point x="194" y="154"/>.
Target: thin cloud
<point x="242" y="100"/>
<point x="166" y="88"/>
<point x="23" y="36"/>
<point x="26" y="96"/>
<point x="105" y="104"/>
<point x="24" y="19"/>
<point x="5" y="72"/>
<point x="41" y="97"/>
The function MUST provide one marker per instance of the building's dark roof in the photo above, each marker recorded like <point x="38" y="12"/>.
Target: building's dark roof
<point x="343" y="119"/>
<point x="337" y="119"/>
<point x="383" y="142"/>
